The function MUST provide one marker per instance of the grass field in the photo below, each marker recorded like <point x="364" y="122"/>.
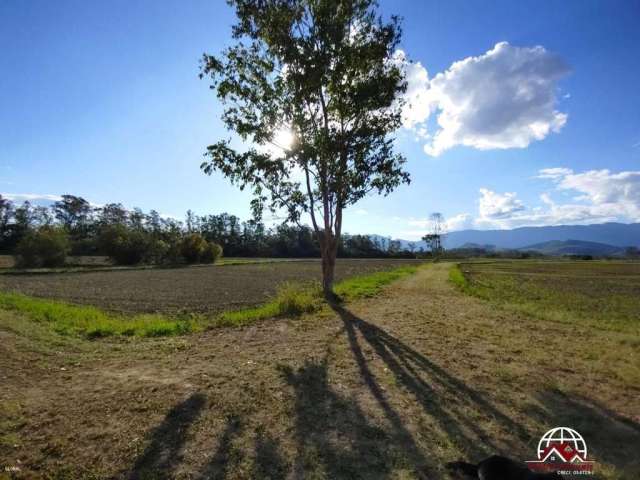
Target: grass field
<point x="392" y="384"/>
<point x="602" y="295"/>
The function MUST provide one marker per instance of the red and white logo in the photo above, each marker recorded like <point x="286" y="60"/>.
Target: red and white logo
<point x="562" y="450"/>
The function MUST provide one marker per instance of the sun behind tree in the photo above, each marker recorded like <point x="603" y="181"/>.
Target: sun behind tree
<point x="316" y="79"/>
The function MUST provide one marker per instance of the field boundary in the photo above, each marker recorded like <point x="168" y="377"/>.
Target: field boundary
<point x="291" y="300"/>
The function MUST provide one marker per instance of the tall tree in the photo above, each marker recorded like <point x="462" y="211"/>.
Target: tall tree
<point x="435" y="236"/>
<point x="322" y="73"/>
<point x="6" y="213"/>
<point x="73" y="213"/>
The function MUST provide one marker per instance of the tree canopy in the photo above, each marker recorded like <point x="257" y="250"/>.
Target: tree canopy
<point x="323" y="70"/>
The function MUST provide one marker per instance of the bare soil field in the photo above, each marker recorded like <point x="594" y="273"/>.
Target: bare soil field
<point x="390" y="387"/>
<point x="201" y="289"/>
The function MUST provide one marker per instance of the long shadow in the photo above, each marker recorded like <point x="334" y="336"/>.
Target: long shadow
<point x="218" y="466"/>
<point x="163" y="454"/>
<point x="442" y="396"/>
<point x="334" y="437"/>
<point x="610" y="438"/>
<point x="269" y="462"/>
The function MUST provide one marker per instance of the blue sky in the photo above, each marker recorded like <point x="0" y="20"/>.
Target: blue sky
<point x="102" y="100"/>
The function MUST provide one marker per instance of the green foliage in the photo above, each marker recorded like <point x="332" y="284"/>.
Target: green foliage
<point x="212" y="252"/>
<point x="46" y="247"/>
<point x="158" y="251"/>
<point x="91" y="322"/>
<point x="326" y="72"/>
<point x="125" y="246"/>
<point x="193" y="247"/>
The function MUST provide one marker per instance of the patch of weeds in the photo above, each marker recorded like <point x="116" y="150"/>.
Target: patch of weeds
<point x="290" y="300"/>
<point x="11" y="421"/>
<point x="293" y="300"/>
<point x="457" y="277"/>
<point x="92" y="322"/>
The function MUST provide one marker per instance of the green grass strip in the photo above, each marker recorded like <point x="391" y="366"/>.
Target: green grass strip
<point x="457" y="278"/>
<point x="295" y="299"/>
<point x="92" y="322"/>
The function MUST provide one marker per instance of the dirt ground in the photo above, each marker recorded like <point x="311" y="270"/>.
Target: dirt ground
<point x="200" y="289"/>
<point x="390" y="387"/>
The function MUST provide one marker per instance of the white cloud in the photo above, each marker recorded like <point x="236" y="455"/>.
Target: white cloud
<point x="417" y="107"/>
<point x="602" y="186"/>
<point x="599" y="196"/>
<point x="361" y="211"/>
<point x="31" y="197"/>
<point x="461" y="221"/>
<point x="502" y="99"/>
<point x="554" y="173"/>
<point x="494" y="205"/>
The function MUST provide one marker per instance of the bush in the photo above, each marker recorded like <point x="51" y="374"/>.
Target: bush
<point x="123" y="245"/>
<point x="193" y="247"/>
<point x="211" y="253"/>
<point x="158" y="251"/>
<point x="46" y="247"/>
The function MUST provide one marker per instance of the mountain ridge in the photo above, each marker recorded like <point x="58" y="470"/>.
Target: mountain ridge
<point x="611" y="233"/>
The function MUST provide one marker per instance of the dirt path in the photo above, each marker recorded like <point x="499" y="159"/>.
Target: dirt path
<point x="391" y="387"/>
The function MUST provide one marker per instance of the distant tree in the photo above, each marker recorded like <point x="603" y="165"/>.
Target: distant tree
<point x="73" y="213"/>
<point x="6" y="213"/>
<point x="193" y="247"/>
<point x="435" y="236"/>
<point x="45" y="247"/>
<point x="124" y="245"/>
<point x="23" y="219"/>
<point x="211" y="253"/>
<point x="112" y="214"/>
<point x="42" y="216"/>
<point x="191" y="221"/>
<point x="323" y="71"/>
<point x="154" y="221"/>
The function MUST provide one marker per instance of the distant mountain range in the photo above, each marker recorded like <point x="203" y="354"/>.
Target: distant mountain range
<point x="614" y="235"/>
<point x="575" y="247"/>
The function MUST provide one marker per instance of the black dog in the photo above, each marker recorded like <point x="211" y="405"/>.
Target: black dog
<point x="500" y="468"/>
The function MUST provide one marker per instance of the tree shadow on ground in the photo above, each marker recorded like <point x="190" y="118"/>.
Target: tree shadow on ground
<point x="269" y="462"/>
<point x="611" y="438"/>
<point x="164" y="452"/>
<point x="334" y="437"/>
<point x="454" y="406"/>
<point x="218" y="466"/>
<point x="163" y="455"/>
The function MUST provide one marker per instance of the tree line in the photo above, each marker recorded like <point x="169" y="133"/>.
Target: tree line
<point x="44" y="235"/>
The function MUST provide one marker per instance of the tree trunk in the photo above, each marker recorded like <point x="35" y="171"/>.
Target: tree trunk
<point x="328" y="252"/>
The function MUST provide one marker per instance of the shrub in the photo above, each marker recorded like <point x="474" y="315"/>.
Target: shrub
<point x="158" y="251"/>
<point x="46" y="247"/>
<point x="193" y="247"/>
<point x="85" y="246"/>
<point x="123" y="245"/>
<point x="211" y="253"/>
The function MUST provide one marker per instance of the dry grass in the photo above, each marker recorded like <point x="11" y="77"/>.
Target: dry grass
<point x="392" y="386"/>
